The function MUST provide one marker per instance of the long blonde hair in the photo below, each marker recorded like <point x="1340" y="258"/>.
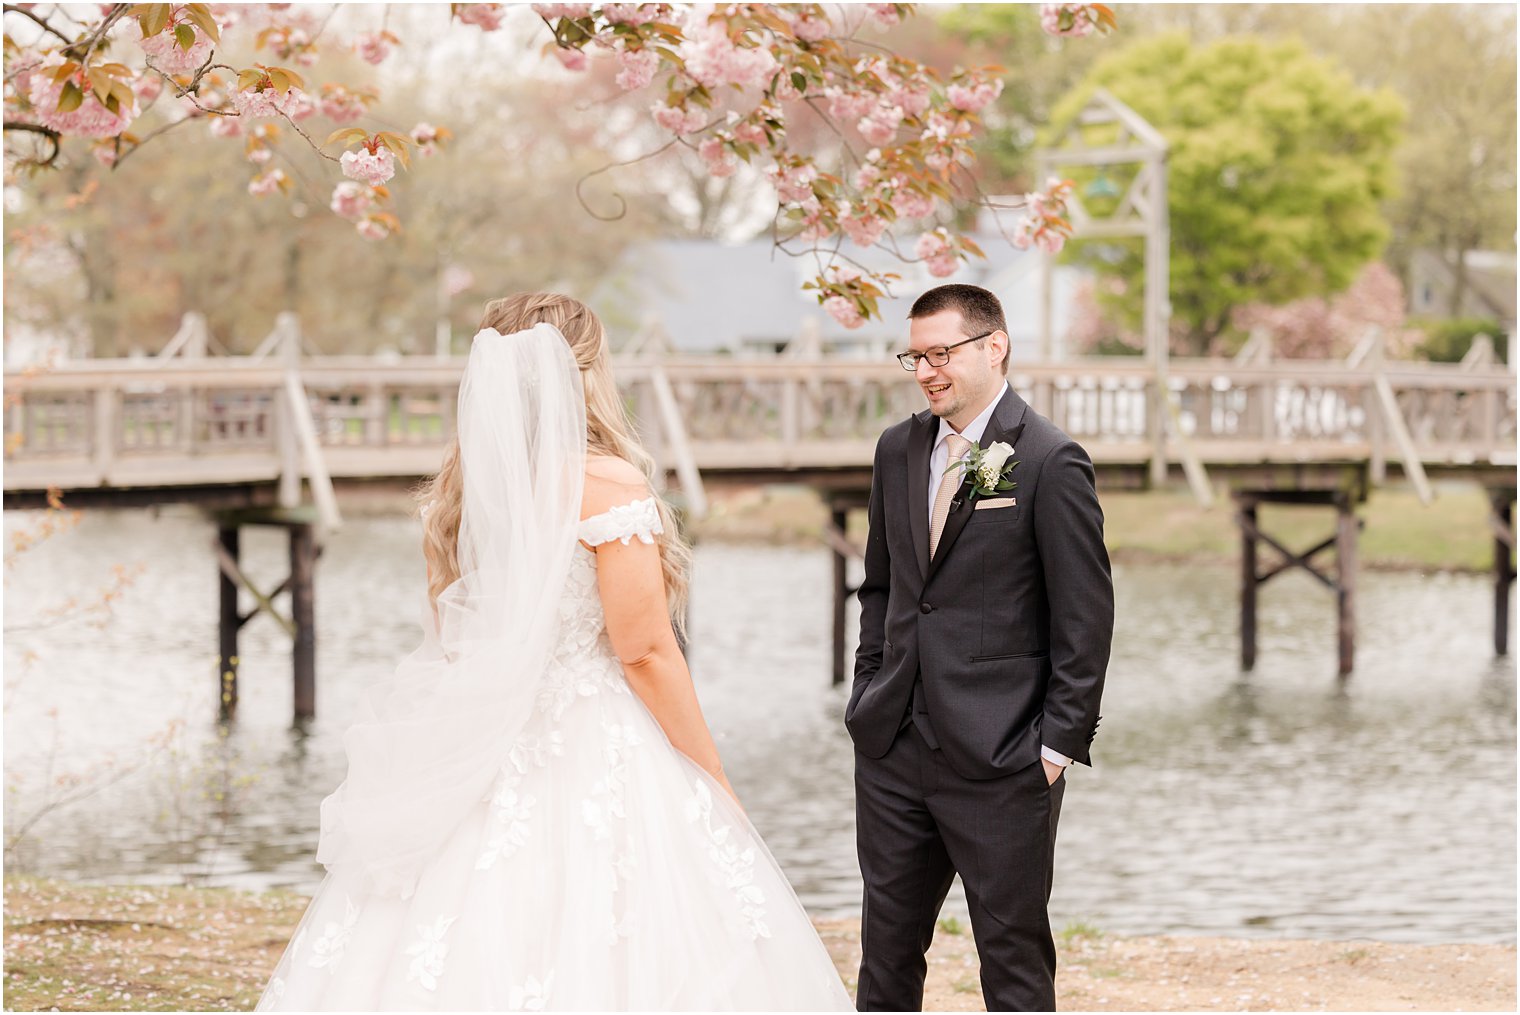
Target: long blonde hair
<point x="608" y="432"/>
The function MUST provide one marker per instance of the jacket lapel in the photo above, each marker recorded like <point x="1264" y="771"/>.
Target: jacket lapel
<point x="1006" y="425"/>
<point x="920" y="443"/>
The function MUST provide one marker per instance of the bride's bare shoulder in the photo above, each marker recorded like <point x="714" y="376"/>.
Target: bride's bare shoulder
<point x="611" y="481"/>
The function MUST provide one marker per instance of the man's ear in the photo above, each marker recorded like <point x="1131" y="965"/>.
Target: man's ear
<point x="993" y="340"/>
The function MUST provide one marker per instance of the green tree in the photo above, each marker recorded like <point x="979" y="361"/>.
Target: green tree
<point x="1277" y="168"/>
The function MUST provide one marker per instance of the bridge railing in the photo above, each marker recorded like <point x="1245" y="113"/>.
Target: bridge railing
<point x="220" y="420"/>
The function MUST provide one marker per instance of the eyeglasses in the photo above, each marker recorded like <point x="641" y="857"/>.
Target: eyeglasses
<point x="939" y="355"/>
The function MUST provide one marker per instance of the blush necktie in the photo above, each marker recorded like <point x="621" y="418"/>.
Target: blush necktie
<point x="948" y="484"/>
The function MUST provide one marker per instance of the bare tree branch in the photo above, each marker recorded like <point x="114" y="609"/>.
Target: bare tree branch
<point x="41" y="22"/>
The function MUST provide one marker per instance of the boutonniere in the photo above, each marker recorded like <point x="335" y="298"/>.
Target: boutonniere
<point x="990" y="469"/>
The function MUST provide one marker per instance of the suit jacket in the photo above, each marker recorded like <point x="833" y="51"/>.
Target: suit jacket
<point x="1009" y="626"/>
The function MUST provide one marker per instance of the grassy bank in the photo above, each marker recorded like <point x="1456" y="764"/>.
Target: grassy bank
<point x="1450" y="534"/>
<point x="90" y="948"/>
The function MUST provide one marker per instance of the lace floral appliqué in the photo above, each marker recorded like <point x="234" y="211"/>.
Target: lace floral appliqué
<point x="623" y="522"/>
<point x="736" y="866"/>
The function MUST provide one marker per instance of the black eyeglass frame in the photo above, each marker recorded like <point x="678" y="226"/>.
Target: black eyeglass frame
<point x="909" y="360"/>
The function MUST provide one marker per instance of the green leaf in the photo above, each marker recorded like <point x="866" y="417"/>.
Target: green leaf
<point x="348" y="135"/>
<point x="201" y="15"/>
<point x="799" y="81"/>
<point x="70" y="98"/>
<point x="185" y="36"/>
<point x="153" y="18"/>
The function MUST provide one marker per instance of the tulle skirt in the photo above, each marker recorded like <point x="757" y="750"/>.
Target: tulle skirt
<point x="604" y="872"/>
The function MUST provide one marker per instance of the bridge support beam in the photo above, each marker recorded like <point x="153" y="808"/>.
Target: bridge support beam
<point x="301" y="529"/>
<point x="1502" y="520"/>
<point x="1342" y="582"/>
<point x="835" y="533"/>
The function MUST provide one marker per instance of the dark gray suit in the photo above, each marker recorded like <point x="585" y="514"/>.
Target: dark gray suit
<point x="966" y="666"/>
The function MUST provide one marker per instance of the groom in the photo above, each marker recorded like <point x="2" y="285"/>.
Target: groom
<point x="985" y="621"/>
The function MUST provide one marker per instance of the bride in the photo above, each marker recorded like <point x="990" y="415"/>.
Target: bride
<point x="535" y="816"/>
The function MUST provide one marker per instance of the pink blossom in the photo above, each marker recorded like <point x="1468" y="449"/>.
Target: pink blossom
<point x="266" y="183"/>
<point x="571" y="58"/>
<point x="19" y="70"/>
<point x="880" y="126"/>
<point x="809" y="28"/>
<point x="840" y="274"/>
<point x="105" y="154"/>
<point x="911" y="204"/>
<point x="938" y="252"/>
<point x="794" y="184"/>
<point x="1075" y="20"/>
<point x="783" y="89"/>
<point x="268" y="102"/>
<point x="373" y="168"/>
<point x="304" y="107"/>
<point x="638" y="67"/>
<point x="844" y="310"/>
<point x="553" y="12"/>
<point x="863" y="229"/>
<point x="815" y="225"/>
<point x="427" y="138"/>
<point x="372" y="228"/>
<point x="341" y="105"/>
<point x="352" y="199"/>
<point x="677" y="119"/>
<point x="373" y="47"/>
<point x="226" y="126"/>
<point x="719" y="158"/>
<point x="148" y="87"/>
<point x="884" y="15"/>
<point x="975" y="97"/>
<point x="487" y="17"/>
<point x="258" y="154"/>
<point x="844" y="105"/>
<point x="165" y="53"/>
<point x="713" y="60"/>
<point x="90" y="119"/>
<point x="633" y="14"/>
<point x="750" y="132"/>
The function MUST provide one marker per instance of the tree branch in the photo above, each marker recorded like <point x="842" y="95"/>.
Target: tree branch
<point x="41" y="22"/>
<point x="622" y="201"/>
<point x="37" y="128"/>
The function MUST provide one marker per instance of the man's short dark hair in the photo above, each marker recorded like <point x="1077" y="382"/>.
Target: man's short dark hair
<point x="981" y="312"/>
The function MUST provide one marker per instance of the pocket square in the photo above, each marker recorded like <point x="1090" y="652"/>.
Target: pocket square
<point x="996" y="502"/>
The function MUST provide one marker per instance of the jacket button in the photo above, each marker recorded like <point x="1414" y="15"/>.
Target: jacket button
<point x="925" y="608"/>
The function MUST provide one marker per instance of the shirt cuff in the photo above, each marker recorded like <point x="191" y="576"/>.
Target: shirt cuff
<point x="1054" y="757"/>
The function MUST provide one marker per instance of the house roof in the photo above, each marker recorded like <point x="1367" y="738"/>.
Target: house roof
<point x="711" y="296"/>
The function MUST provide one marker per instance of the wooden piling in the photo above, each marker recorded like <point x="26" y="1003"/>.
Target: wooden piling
<point x="1248" y="579"/>
<point x="228" y="623"/>
<point x="1345" y="586"/>
<point x="1503" y="522"/>
<point x="303" y="559"/>
<point x="1341" y="582"/>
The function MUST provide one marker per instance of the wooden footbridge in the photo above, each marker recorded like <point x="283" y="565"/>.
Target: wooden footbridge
<point x="261" y="440"/>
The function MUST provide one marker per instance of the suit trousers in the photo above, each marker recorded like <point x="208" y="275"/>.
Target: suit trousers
<point x="918" y="824"/>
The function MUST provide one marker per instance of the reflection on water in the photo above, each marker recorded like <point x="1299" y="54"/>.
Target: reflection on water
<point x="1270" y="804"/>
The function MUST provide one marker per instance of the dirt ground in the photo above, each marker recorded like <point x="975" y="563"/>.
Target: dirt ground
<point x="1100" y="973"/>
<point x="92" y="948"/>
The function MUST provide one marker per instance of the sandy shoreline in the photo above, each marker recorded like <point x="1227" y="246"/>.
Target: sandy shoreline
<point x="92" y="948"/>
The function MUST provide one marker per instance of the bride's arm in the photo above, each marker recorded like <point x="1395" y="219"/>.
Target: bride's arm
<point x="631" y="583"/>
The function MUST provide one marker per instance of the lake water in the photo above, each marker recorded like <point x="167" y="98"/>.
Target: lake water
<point x="1270" y="804"/>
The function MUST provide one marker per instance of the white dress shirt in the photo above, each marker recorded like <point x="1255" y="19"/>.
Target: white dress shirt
<point x="939" y="458"/>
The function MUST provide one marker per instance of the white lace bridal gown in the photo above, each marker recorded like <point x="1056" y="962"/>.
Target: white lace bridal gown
<point x="605" y="871"/>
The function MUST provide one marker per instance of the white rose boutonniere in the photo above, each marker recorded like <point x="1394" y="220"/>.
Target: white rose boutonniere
<point x="990" y="469"/>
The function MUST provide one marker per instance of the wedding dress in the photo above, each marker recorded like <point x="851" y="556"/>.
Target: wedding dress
<point x="599" y="869"/>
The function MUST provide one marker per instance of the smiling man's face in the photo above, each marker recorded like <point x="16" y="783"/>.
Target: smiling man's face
<point x="961" y="389"/>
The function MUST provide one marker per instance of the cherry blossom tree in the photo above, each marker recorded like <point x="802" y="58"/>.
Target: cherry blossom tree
<point x="724" y="82"/>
